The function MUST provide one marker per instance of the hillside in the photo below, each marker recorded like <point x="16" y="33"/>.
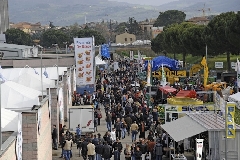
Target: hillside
<point x="62" y="12"/>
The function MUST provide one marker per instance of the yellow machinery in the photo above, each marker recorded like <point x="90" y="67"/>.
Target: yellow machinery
<point x="195" y="69"/>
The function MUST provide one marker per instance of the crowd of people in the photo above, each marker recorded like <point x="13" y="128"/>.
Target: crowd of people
<point x="126" y="114"/>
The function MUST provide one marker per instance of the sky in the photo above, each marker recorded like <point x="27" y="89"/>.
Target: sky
<point x="145" y="2"/>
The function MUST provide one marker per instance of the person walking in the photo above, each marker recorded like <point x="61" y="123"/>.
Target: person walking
<point x="127" y="152"/>
<point x="55" y="137"/>
<point x="134" y="130"/>
<point x="106" y="151"/>
<point x="67" y="148"/>
<point x="116" y="154"/>
<point x="109" y="121"/>
<point x="158" y="150"/>
<point x="90" y="150"/>
<point x="142" y="130"/>
<point x="78" y="131"/>
<point x="99" y="151"/>
<point x="138" y="154"/>
<point x="118" y="126"/>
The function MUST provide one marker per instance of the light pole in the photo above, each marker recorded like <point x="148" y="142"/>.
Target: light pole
<point x="41" y="68"/>
<point x="0" y="115"/>
<point x="66" y="45"/>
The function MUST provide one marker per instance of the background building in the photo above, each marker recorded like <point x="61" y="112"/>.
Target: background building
<point x="4" y="17"/>
<point x="125" y="38"/>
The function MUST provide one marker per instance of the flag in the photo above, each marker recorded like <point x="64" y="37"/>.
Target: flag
<point x="35" y="71"/>
<point x="164" y="81"/>
<point x="238" y="73"/>
<point x="45" y="73"/>
<point x="205" y="74"/>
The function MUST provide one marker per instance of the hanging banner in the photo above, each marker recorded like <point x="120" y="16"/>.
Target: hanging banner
<point x="238" y="73"/>
<point x="19" y="140"/>
<point x="199" y="148"/>
<point x="131" y="55"/>
<point x="74" y="80"/>
<point x="69" y="90"/>
<point x="49" y="102"/>
<point x="230" y="124"/>
<point x="84" y="55"/>
<point x="60" y="104"/>
<point x="149" y="73"/>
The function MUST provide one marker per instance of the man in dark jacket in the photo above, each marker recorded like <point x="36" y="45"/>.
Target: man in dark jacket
<point x="117" y="145"/>
<point x="116" y="154"/>
<point x="84" y="149"/>
<point x="99" y="151"/>
<point x="55" y="137"/>
<point x="106" y="151"/>
<point x="158" y="150"/>
<point x="138" y="154"/>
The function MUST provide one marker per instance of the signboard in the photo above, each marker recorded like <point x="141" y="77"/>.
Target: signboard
<point x="230" y="124"/>
<point x="233" y="65"/>
<point x="170" y="74"/>
<point x="84" y="55"/>
<point x="199" y="148"/>
<point x="218" y="64"/>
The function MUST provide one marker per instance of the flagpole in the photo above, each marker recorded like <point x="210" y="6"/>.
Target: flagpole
<point x="41" y="69"/>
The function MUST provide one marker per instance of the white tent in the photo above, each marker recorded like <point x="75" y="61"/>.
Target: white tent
<point x="98" y="61"/>
<point x="16" y="96"/>
<point x="235" y="98"/>
<point x="9" y="120"/>
<point x="34" y="81"/>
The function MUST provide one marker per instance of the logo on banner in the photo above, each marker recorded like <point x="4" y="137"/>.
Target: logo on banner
<point x="230" y="130"/>
<point x="199" y="148"/>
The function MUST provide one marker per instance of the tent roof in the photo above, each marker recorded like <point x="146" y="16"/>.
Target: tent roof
<point x="17" y="96"/>
<point x="235" y="97"/>
<point x="167" y="89"/>
<point x="186" y="93"/>
<point x="9" y="120"/>
<point x="98" y="61"/>
<point x="33" y="81"/>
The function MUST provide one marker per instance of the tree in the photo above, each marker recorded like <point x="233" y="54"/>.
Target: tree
<point x="216" y="35"/>
<point x="157" y="44"/>
<point x="99" y="39"/>
<point x="52" y="36"/>
<point x="169" y="17"/>
<point x="17" y="36"/>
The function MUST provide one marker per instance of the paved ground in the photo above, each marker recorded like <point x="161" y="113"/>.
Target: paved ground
<point x="102" y="129"/>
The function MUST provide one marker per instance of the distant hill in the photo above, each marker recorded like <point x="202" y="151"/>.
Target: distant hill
<point x="64" y="12"/>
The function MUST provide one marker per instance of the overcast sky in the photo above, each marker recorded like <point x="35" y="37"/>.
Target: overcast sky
<point x="146" y="2"/>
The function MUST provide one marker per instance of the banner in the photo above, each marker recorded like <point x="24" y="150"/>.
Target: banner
<point x="115" y="66"/>
<point x="19" y="140"/>
<point x="199" y="148"/>
<point x="131" y="55"/>
<point x="149" y="73"/>
<point x="164" y="81"/>
<point x="230" y="124"/>
<point x="60" y="104"/>
<point x="84" y="55"/>
<point x="74" y="80"/>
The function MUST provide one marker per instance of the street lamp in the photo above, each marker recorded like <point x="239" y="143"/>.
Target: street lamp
<point x="66" y="45"/>
<point x="41" y="68"/>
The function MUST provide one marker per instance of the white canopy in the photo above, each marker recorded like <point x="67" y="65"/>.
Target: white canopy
<point x="9" y="120"/>
<point x="17" y="96"/>
<point x="235" y="98"/>
<point x="98" y="61"/>
<point x="33" y="81"/>
<point x="52" y="72"/>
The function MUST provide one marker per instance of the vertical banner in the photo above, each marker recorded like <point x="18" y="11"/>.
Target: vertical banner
<point x="84" y="55"/>
<point x="199" y="148"/>
<point x="230" y="124"/>
<point x="69" y="90"/>
<point x="60" y="104"/>
<point x="149" y="72"/>
<point x="19" y="140"/>
<point x="131" y="55"/>
<point x="238" y="73"/>
<point x="74" y="80"/>
<point x="164" y="81"/>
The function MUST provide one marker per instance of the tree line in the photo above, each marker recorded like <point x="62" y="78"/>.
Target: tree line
<point x="221" y="35"/>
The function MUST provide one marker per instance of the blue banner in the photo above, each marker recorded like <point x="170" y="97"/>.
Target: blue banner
<point x="105" y="51"/>
<point x="157" y="63"/>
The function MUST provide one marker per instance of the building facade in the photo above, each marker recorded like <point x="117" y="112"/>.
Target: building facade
<point x="125" y="38"/>
<point x="4" y="17"/>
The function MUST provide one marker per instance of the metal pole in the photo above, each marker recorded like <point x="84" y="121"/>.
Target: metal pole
<point x="206" y="52"/>
<point x="57" y="69"/>
<point x="41" y="75"/>
<point x="225" y="130"/>
<point x="1" y="116"/>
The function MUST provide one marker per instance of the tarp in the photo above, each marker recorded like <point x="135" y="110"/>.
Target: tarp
<point x="16" y="96"/>
<point x="186" y="93"/>
<point x="98" y="61"/>
<point x="9" y="120"/>
<point x="167" y="89"/>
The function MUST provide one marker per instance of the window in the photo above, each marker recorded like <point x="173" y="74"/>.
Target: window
<point x="130" y="39"/>
<point x="125" y="39"/>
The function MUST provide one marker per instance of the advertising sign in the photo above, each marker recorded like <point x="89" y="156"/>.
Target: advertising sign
<point x="230" y="124"/>
<point x="149" y="71"/>
<point x="199" y="148"/>
<point x="84" y="55"/>
<point x="218" y="64"/>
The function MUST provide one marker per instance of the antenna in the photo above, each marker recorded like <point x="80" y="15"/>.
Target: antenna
<point x="204" y="10"/>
